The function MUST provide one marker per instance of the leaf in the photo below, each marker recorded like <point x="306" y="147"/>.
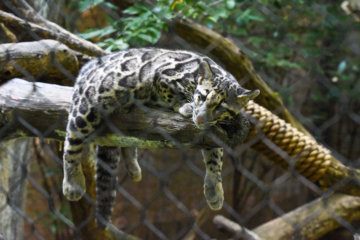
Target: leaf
<point x="230" y="4"/>
<point x="287" y="64"/>
<point x="147" y="38"/>
<point x="110" y="5"/>
<point x="111" y="44"/>
<point x="98" y="33"/>
<point x="134" y="10"/>
<point x="87" y="4"/>
<point x="341" y="67"/>
<point x="175" y="3"/>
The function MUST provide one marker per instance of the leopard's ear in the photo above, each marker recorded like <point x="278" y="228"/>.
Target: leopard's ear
<point x="204" y="73"/>
<point x="246" y="96"/>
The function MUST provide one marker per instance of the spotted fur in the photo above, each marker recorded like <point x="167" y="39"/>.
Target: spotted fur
<point x="183" y="81"/>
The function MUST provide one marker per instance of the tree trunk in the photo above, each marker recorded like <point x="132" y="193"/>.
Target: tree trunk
<point x="14" y="156"/>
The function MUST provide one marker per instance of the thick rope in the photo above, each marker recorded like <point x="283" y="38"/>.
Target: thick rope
<point x="294" y="150"/>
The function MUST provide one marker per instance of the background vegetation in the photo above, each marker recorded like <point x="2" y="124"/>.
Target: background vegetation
<point x="307" y="51"/>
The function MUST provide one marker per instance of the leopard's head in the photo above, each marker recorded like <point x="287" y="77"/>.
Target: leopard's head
<point x="217" y="100"/>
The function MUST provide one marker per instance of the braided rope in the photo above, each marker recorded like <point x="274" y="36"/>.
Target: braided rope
<point x="290" y="148"/>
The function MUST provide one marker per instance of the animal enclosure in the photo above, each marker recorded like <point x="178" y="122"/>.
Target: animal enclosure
<point x="291" y="155"/>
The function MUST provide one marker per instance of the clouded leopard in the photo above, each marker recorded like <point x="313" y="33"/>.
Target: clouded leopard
<point x="185" y="82"/>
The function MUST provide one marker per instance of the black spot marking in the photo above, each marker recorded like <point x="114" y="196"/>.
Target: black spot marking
<point x="80" y="122"/>
<point x="215" y="70"/>
<point x="72" y="126"/>
<point x="211" y="162"/>
<point x="129" y="54"/>
<point x="99" y="187"/>
<point x="76" y="101"/>
<point x="73" y="152"/>
<point x="91" y="117"/>
<point x="91" y="73"/>
<point x="179" y="67"/>
<point x="90" y="93"/>
<point x="164" y="85"/>
<point x="75" y="141"/>
<point x="144" y="71"/>
<point x="75" y="94"/>
<point x="169" y="72"/>
<point x="74" y="112"/>
<point x="148" y="55"/>
<point x="128" y="65"/>
<point x="107" y="83"/>
<point x="84" y="106"/>
<point x="128" y="81"/>
<point x="181" y="96"/>
<point x="84" y="131"/>
<point x="81" y="90"/>
<point x="189" y="77"/>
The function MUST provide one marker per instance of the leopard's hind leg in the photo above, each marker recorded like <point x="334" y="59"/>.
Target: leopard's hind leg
<point x="213" y="189"/>
<point x="107" y="161"/>
<point x="106" y="178"/>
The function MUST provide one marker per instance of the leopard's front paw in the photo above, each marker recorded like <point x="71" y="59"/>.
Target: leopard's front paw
<point x="74" y="186"/>
<point x="186" y="110"/>
<point x="214" y="192"/>
<point x="135" y="172"/>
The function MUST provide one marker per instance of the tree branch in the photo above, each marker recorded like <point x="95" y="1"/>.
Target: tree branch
<point x="8" y="35"/>
<point x="62" y="35"/>
<point x="313" y="220"/>
<point x="310" y="221"/>
<point x="37" y="60"/>
<point x="39" y="109"/>
<point x="238" y="231"/>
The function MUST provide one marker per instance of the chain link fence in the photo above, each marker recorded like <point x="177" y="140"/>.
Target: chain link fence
<point x="169" y="202"/>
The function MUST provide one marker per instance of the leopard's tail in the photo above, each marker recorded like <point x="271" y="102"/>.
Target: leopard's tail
<point x="107" y="159"/>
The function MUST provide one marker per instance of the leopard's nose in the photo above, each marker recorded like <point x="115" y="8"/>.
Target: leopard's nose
<point x="200" y="119"/>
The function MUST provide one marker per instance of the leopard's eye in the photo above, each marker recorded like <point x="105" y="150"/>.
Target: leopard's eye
<point x="201" y="97"/>
<point x="228" y="109"/>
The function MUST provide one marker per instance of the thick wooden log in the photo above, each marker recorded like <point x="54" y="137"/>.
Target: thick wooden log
<point x="38" y="60"/>
<point x="313" y="220"/>
<point x="40" y="109"/>
<point x="310" y="221"/>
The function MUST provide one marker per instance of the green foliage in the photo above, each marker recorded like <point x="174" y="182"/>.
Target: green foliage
<point x="279" y="35"/>
<point x="141" y="25"/>
<point x="84" y="5"/>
